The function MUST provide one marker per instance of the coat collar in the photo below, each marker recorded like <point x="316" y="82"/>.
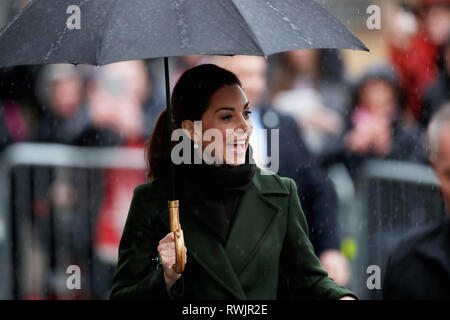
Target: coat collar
<point x="264" y="181"/>
<point x="253" y="218"/>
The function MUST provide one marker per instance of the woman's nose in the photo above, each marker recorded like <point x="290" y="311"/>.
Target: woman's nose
<point x="245" y="124"/>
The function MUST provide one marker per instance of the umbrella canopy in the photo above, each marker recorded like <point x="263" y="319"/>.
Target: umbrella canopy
<point x="105" y="31"/>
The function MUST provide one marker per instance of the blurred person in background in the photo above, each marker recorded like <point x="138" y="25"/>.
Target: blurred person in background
<point x="5" y="138"/>
<point x="58" y="88"/>
<point x="315" y="191"/>
<point x="183" y="63"/>
<point x="123" y="104"/>
<point x="419" y="267"/>
<point x="116" y="100"/>
<point x="115" y="96"/>
<point x="439" y="91"/>
<point x="13" y="124"/>
<point x="309" y="85"/>
<point x="375" y="127"/>
<point x="415" y="36"/>
<point x="61" y="91"/>
<point x="18" y="112"/>
<point x="18" y="104"/>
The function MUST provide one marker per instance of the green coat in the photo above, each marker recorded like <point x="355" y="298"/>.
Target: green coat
<point x="267" y="256"/>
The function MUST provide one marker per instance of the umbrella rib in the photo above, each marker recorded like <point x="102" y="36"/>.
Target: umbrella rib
<point x="105" y="27"/>
<point x="20" y="14"/>
<point x="250" y="30"/>
<point x="358" y="43"/>
<point x="241" y="42"/>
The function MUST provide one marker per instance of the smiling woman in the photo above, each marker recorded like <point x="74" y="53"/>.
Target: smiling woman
<point x="245" y="232"/>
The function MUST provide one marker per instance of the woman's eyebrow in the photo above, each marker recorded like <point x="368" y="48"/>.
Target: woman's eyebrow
<point x="231" y="108"/>
<point x="225" y="108"/>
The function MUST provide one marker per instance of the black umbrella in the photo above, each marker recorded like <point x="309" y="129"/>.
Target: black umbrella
<point x="104" y="31"/>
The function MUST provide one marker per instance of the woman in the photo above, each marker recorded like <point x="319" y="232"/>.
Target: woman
<point x="245" y="232"/>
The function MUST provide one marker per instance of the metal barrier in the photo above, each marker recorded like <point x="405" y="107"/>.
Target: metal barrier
<point x="50" y="196"/>
<point x="388" y="200"/>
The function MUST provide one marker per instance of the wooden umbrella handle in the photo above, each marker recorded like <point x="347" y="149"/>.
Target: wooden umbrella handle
<point x="175" y="227"/>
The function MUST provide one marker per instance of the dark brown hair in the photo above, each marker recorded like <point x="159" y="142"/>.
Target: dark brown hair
<point x="190" y="99"/>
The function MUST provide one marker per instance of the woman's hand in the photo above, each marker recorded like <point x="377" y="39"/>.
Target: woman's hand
<point x="167" y="253"/>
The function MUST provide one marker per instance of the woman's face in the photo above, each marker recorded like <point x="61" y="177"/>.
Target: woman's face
<point x="228" y="113"/>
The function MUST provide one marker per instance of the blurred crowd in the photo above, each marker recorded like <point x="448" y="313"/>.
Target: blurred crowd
<point x="325" y="115"/>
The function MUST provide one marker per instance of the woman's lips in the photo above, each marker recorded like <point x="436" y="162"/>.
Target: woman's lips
<point x="238" y="146"/>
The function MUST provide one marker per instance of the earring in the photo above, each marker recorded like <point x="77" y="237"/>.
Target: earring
<point x="195" y="145"/>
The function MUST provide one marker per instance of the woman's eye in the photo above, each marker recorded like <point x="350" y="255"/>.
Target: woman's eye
<point x="226" y="117"/>
<point x="247" y="114"/>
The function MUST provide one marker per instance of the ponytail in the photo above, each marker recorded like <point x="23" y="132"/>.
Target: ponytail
<point x="157" y="151"/>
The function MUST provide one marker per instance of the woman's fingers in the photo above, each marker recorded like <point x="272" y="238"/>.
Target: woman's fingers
<point x="167" y="252"/>
<point x="168" y="238"/>
<point x="167" y="245"/>
<point x="168" y="263"/>
<point x="166" y="248"/>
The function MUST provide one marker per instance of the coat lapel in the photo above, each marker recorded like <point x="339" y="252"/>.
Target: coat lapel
<point x="253" y="218"/>
<point x="206" y="249"/>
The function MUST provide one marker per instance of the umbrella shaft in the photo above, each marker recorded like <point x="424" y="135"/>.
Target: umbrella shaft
<point x="169" y="124"/>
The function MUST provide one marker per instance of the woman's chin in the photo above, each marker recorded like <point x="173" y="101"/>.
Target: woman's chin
<point x="235" y="164"/>
<point x="235" y="158"/>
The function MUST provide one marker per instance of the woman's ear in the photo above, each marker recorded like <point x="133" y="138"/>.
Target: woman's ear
<point x="188" y="128"/>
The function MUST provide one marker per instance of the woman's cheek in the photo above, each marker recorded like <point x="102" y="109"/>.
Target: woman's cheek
<point x="213" y="149"/>
<point x="225" y="153"/>
<point x="250" y="130"/>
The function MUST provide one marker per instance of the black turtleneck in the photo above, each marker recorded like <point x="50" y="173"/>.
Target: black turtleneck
<point x="212" y="193"/>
